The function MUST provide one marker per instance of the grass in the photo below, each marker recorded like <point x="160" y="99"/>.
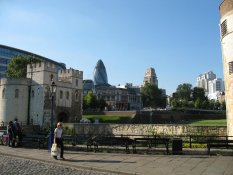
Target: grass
<point x="126" y="119"/>
<point x="108" y="118"/>
<point x="220" y="122"/>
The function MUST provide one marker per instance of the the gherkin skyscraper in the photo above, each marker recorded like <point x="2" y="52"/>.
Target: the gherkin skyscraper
<point x="100" y="74"/>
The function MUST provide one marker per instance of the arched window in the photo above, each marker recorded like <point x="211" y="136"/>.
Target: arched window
<point x="3" y="93"/>
<point x="33" y="93"/>
<point x="76" y="95"/>
<point x="61" y="94"/>
<point x="51" y="77"/>
<point x="16" y="93"/>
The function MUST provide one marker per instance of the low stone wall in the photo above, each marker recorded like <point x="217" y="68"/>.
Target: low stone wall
<point x="146" y="129"/>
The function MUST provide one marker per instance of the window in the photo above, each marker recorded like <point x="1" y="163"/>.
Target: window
<point x="224" y="28"/>
<point x="61" y="94"/>
<point x="16" y="93"/>
<point x="230" y="67"/>
<point x="67" y="95"/>
<point x="76" y="95"/>
<point x="33" y="93"/>
<point x="3" y="93"/>
<point x="76" y="82"/>
<point x="51" y="77"/>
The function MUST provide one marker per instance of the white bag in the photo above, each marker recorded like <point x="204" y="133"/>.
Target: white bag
<point x="54" y="150"/>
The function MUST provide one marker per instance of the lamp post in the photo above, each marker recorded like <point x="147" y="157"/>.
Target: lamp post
<point x="52" y="88"/>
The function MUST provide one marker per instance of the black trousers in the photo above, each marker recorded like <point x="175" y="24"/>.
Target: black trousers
<point x="60" y="144"/>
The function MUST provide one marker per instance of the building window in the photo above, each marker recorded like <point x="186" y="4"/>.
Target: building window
<point x="16" y="93"/>
<point x="3" y="93"/>
<point x="67" y="95"/>
<point x="76" y="95"/>
<point x="76" y="82"/>
<point x="224" y="28"/>
<point x="51" y="77"/>
<point x="61" y="94"/>
<point x="33" y="93"/>
<point x="230" y="67"/>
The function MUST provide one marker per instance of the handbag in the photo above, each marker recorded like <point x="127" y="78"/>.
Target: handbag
<point x="54" y="150"/>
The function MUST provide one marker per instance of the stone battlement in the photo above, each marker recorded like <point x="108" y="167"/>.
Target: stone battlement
<point x="39" y="66"/>
<point x="67" y="73"/>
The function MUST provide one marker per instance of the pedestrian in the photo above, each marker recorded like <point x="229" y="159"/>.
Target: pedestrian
<point x="18" y="132"/>
<point x="58" y="132"/>
<point x="11" y="134"/>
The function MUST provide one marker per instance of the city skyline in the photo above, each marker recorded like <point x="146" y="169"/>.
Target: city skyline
<point x="179" y="39"/>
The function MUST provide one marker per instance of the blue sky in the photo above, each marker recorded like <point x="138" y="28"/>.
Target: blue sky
<point x="180" y="39"/>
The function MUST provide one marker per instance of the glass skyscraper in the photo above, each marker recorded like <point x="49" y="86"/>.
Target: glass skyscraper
<point x="100" y="74"/>
<point x="6" y="53"/>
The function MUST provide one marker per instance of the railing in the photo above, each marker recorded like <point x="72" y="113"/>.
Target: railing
<point x="190" y="139"/>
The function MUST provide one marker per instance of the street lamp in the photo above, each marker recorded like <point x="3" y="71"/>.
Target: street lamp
<point x="52" y="89"/>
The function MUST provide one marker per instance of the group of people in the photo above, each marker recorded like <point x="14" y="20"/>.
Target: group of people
<point x="15" y="136"/>
<point x="15" y="133"/>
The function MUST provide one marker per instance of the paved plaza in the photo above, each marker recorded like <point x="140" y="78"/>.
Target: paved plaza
<point x="34" y="161"/>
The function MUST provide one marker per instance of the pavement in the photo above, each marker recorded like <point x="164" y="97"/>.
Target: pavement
<point x="191" y="162"/>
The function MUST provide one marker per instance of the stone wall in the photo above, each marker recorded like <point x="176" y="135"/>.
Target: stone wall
<point x="146" y="129"/>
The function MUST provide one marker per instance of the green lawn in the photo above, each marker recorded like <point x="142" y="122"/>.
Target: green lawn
<point x="221" y="122"/>
<point x="126" y="119"/>
<point x="108" y="118"/>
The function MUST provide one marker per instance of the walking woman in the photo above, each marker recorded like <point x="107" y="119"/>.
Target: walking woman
<point x="58" y="132"/>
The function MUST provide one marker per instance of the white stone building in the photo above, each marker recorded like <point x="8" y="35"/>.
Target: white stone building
<point x="216" y="87"/>
<point x="203" y="81"/>
<point x="28" y="99"/>
<point x="150" y="77"/>
<point x="226" y="24"/>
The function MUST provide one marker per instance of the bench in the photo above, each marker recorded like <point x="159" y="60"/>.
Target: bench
<point x="109" y="141"/>
<point x="39" y="140"/>
<point x="150" y="142"/>
<point x="219" y="143"/>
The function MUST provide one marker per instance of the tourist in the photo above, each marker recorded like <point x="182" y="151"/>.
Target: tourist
<point x="18" y="132"/>
<point x="58" y="132"/>
<point x="11" y="134"/>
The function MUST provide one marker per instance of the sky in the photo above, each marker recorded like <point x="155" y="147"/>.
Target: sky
<point x="180" y="39"/>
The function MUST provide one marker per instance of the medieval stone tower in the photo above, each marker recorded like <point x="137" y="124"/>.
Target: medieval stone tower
<point x="226" y="25"/>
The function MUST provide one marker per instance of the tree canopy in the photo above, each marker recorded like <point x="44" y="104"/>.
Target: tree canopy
<point x="152" y="96"/>
<point x="17" y="67"/>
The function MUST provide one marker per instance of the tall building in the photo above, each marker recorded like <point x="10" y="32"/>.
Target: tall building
<point x="126" y="97"/>
<point x="150" y="77"/>
<point x="216" y="85"/>
<point x="203" y="81"/>
<point x="100" y="74"/>
<point x="226" y="24"/>
<point x="216" y="88"/>
<point x="6" y="53"/>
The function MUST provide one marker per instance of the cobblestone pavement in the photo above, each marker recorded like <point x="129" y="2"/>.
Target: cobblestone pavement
<point x="20" y="166"/>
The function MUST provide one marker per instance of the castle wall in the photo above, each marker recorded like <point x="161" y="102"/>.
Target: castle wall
<point x="226" y="13"/>
<point x="68" y="83"/>
<point x="146" y="129"/>
<point x="11" y="105"/>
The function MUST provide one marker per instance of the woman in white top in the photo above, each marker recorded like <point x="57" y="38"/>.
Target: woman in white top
<point x="58" y="139"/>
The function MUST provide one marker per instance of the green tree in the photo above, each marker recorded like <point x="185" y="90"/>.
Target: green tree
<point x="91" y="100"/>
<point x="198" y="93"/>
<point x="184" y="91"/>
<point x="152" y="96"/>
<point x="102" y="104"/>
<point x="17" y="67"/>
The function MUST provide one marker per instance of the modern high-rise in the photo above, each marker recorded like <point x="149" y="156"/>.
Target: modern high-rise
<point x="216" y="88"/>
<point x="6" y="53"/>
<point x="203" y="80"/>
<point x="226" y="28"/>
<point x="150" y="77"/>
<point x="100" y="74"/>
